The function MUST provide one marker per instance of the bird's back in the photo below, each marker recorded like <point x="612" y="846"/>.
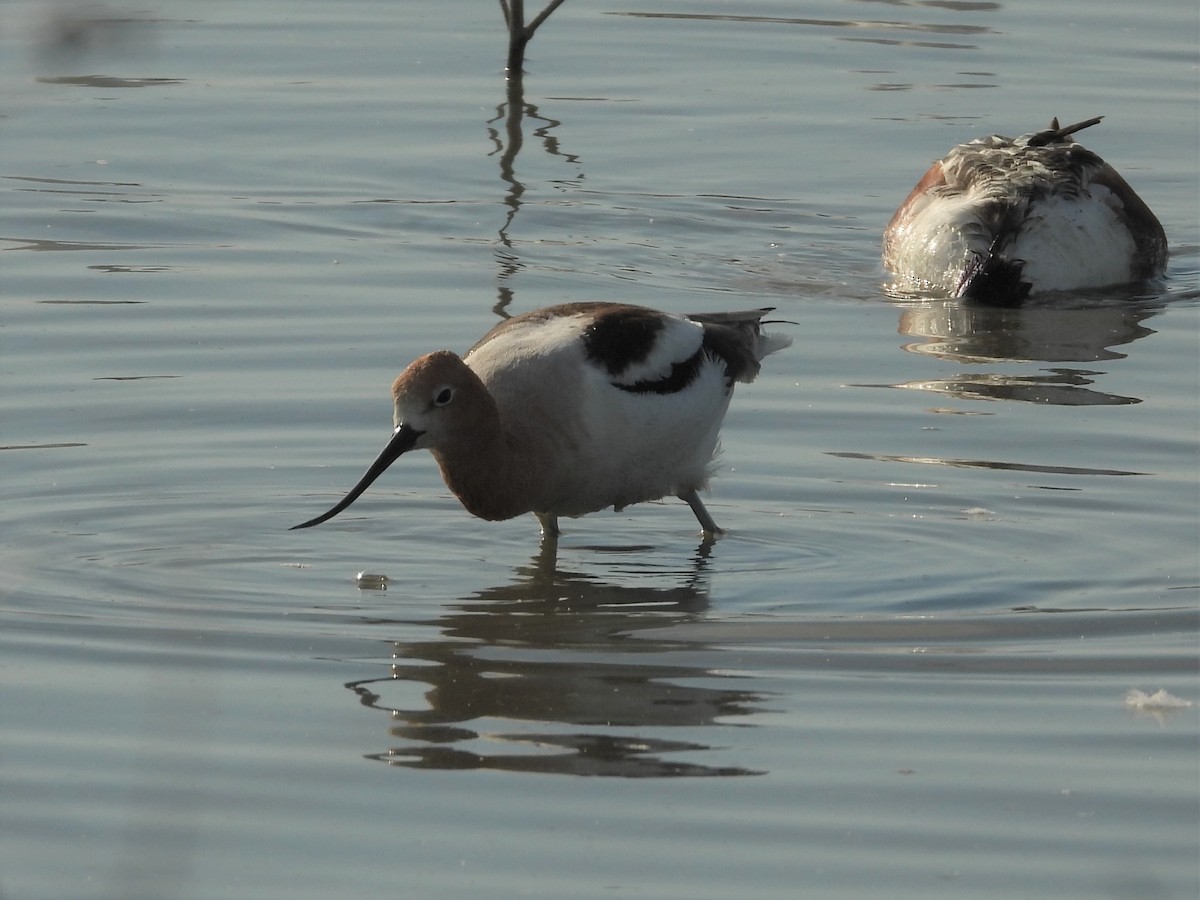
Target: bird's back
<point x="611" y="404"/>
<point x="1000" y="216"/>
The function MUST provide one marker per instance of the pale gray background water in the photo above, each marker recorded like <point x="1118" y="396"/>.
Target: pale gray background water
<point x="957" y="538"/>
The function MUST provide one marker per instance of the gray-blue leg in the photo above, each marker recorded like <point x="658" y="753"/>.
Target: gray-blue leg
<point x="549" y="523"/>
<point x="692" y="499"/>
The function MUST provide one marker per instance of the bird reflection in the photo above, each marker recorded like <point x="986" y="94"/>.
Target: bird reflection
<point x="952" y="330"/>
<point x="542" y="675"/>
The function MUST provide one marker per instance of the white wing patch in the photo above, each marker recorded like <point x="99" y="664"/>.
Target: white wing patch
<point x="676" y="342"/>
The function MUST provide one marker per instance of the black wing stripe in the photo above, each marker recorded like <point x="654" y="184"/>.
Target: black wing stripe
<point x="682" y="375"/>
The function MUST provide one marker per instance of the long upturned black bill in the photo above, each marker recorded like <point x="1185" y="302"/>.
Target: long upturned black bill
<point x="403" y="439"/>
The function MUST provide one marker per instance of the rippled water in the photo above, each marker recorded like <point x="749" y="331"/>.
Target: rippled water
<point x="957" y="537"/>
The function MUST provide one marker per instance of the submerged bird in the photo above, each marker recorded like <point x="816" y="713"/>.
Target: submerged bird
<point x="999" y="218"/>
<point x="571" y="409"/>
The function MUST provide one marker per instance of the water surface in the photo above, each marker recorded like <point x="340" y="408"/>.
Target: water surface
<point x="957" y="537"/>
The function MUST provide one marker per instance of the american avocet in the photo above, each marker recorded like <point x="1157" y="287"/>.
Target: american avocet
<point x="999" y="218"/>
<point x="571" y="409"/>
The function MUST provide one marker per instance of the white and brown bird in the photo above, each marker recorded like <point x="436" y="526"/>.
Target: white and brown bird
<point x="571" y="409"/>
<point x="1000" y="218"/>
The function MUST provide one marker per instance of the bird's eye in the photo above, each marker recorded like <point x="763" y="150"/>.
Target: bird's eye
<point x="443" y="397"/>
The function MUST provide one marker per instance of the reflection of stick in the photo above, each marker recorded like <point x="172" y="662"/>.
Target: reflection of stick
<point x="512" y="111"/>
<point x="519" y="33"/>
<point x="508" y="142"/>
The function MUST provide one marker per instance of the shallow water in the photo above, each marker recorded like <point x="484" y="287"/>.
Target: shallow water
<point x="957" y="537"/>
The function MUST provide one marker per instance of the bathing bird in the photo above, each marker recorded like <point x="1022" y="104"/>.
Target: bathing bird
<point x="572" y="409"/>
<point x="1000" y="218"/>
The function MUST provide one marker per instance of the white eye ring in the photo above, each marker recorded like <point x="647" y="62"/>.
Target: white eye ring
<point x="443" y="397"/>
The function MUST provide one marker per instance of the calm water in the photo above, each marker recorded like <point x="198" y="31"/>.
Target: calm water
<point x="957" y="538"/>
